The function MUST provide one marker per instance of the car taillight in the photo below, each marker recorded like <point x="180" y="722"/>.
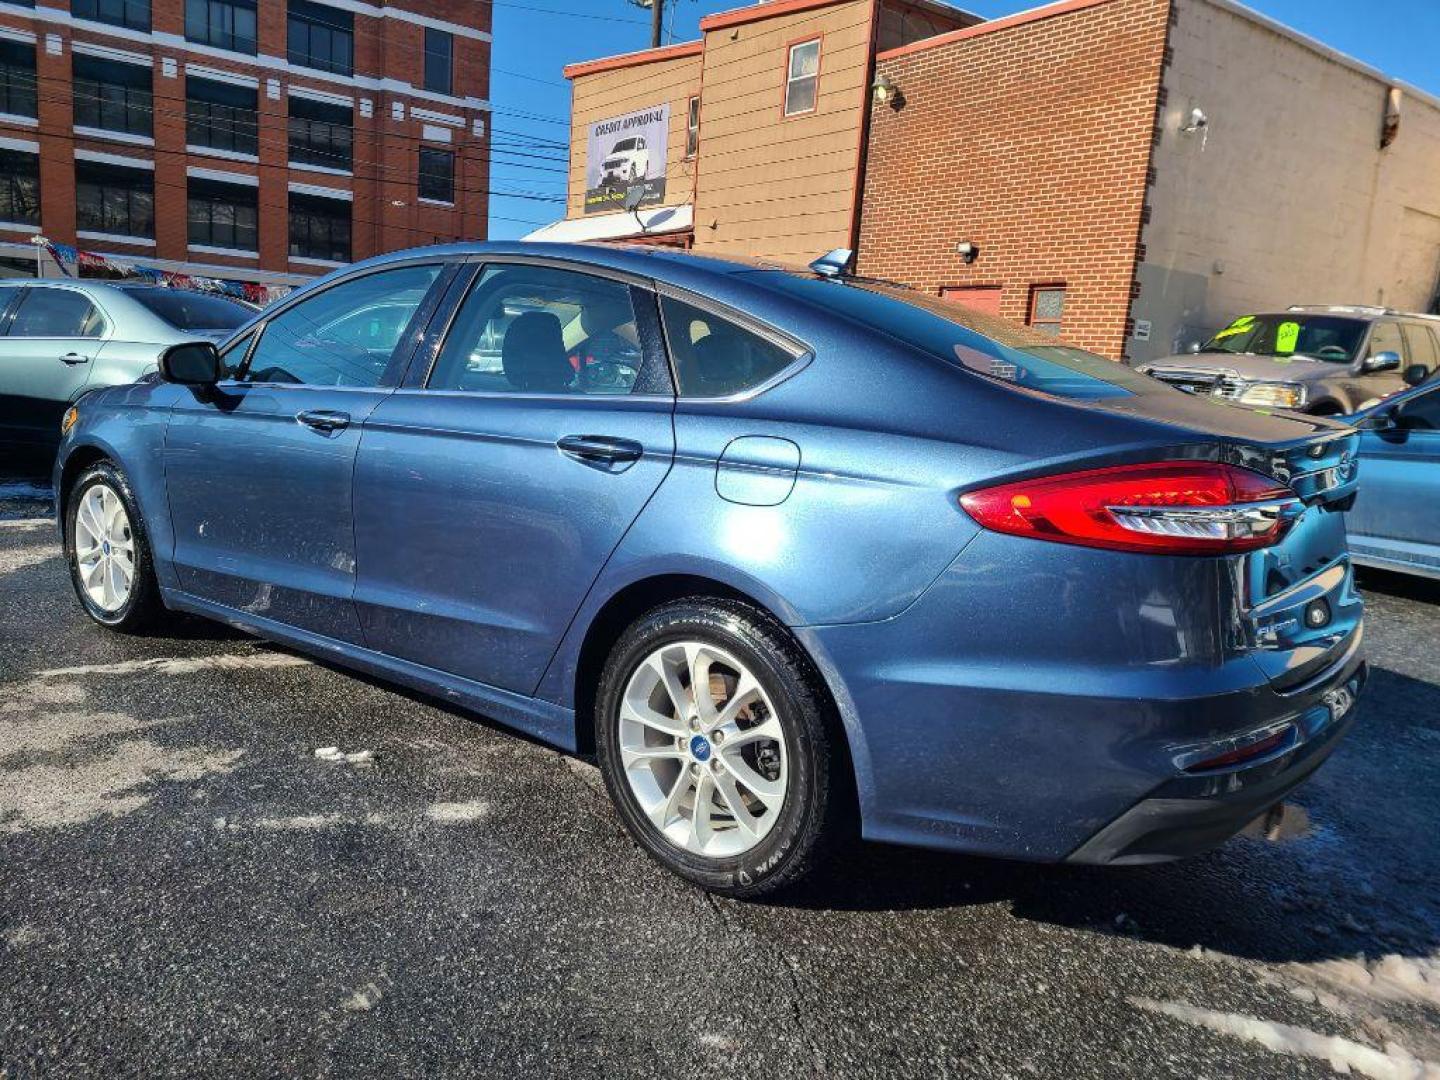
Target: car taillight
<point x="1168" y="507"/>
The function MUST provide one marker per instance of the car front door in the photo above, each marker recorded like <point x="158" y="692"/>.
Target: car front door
<point x="54" y="336"/>
<point x="258" y="469"/>
<point x="1397" y="510"/>
<point x="491" y="489"/>
<point x="1368" y="387"/>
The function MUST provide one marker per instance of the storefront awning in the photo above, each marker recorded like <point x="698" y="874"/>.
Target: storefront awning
<point x="658" y="220"/>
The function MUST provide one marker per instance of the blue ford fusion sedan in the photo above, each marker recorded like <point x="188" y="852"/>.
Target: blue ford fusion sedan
<point x="787" y="551"/>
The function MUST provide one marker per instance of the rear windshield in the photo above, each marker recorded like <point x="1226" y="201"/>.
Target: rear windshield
<point x="1321" y="337"/>
<point x="192" y="310"/>
<point x="985" y="344"/>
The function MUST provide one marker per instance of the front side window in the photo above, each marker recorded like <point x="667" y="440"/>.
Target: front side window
<point x="437" y="175"/>
<point x="1047" y="306"/>
<point x="319" y="228"/>
<point x="223" y="215"/>
<point x="222" y="116"/>
<point x="114" y="199"/>
<point x="714" y="357"/>
<point x="1420" y="413"/>
<point x="321" y="37"/>
<point x="439" y="60"/>
<point x="223" y="24"/>
<point x="56" y="313"/>
<point x="344" y="336"/>
<point x="1385" y="337"/>
<point x="321" y="133"/>
<point x="132" y="14"/>
<point x="692" y="128"/>
<point x="113" y="96"/>
<point x="19" y="187"/>
<point x="17" y="78"/>
<point x="802" y="78"/>
<point x="1320" y="337"/>
<point x="536" y="330"/>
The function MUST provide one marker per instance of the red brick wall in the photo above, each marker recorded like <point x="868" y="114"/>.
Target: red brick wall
<point x="1032" y="140"/>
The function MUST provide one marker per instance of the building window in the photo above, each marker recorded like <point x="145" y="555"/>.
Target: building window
<point x="320" y="133"/>
<point x="692" y="128"/>
<point x="224" y="215"/>
<point x="19" y="187"/>
<point x="114" y="199"/>
<point x="802" y="78"/>
<point x="222" y="116"/>
<point x="319" y="228"/>
<point x="322" y="37"/>
<point x="437" y="174"/>
<point x="224" y="24"/>
<point x="439" y="60"/>
<point x="1047" y="305"/>
<point x="113" y="96"/>
<point x="17" y="78"/>
<point x="134" y="14"/>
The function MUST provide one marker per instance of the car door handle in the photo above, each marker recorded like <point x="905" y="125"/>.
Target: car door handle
<point x="74" y="358"/>
<point x="604" y="448"/>
<point x="324" y="420"/>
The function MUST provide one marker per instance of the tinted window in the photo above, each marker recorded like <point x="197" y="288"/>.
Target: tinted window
<point x="17" y="78"/>
<point x="1421" y="412"/>
<point x="321" y="37"/>
<point x="223" y="215"/>
<point x="528" y="329"/>
<point x="1422" y="346"/>
<point x="321" y="133"/>
<point x="1385" y="337"/>
<point x="221" y="115"/>
<point x="319" y="228"/>
<point x="1323" y="337"/>
<point x="439" y="53"/>
<point x="113" y="96"/>
<point x="225" y="24"/>
<point x="344" y="336"/>
<point x="984" y="344"/>
<point x="19" y="187"/>
<point x="56" y="313"/>
<point x="134" y="14"/>
<point x="714" y="357"/>
<point x="113" y="199"/>
<point x="437" y="175"/>
<point x="186" y="310"/>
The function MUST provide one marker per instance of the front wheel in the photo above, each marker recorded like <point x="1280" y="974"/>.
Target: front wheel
<point x="714" y="738"/>
<point x="108" y="551"/>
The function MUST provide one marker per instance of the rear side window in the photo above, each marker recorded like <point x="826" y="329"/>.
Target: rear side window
<point x="186" y="310"/>
<point x="1421" y="413"/>
<point x="714" y="357"/>
<point x="57" y="313"/>
<point x="344" y="336"/>
<point x="537" y="330"/>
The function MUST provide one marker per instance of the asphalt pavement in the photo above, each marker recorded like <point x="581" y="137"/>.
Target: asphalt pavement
<point x="187" y="888"/>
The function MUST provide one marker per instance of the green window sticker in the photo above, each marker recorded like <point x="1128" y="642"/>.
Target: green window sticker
<point x="1287" y="334"/>
<point x="1239" y="326"/>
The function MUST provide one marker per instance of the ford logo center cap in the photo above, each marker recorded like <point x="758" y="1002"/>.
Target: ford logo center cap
<point x="699" y="748"/>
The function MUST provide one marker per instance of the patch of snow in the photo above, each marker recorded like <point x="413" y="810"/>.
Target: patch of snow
<point x="335" y="754"/>
<point x="180" y="665"/>
<point x="363" y="999"/>
<point x="1391" y="978"/>
<point x="328" y="753"/>
<point x="27" y="523"/>
<point x="1394" y="1062"/>
<point x="458" y="813"/>
<point x="302" y="822"/>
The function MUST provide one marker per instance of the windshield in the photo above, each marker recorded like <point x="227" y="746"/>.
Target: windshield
<point x="622" y="146"/>
<point x="191" y="310"/>
<point x="985" y="344"/>
<point x="1320" y="337"/>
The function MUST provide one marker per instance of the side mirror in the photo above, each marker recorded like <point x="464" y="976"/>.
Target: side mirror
<point x="1380" y="420"/>
<point x="1381" y="361"/>
<point x="1415" y="374"/>
<point x="192" y="363"/>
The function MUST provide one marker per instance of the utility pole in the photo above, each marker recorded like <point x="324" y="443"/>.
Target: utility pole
<point x="657" y="22"/>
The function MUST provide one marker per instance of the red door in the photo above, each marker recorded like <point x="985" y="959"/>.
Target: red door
<point x="984" y="298"/>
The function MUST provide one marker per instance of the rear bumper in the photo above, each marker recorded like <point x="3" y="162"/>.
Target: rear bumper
<point x="1192" y="814"/>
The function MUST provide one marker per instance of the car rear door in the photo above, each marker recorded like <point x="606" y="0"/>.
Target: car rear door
<point x="493" y="486"/>
<point x="55" y="334"/>
<point x="258" y="469"/>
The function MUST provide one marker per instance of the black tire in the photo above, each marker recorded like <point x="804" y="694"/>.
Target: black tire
<point x="815" y="814"/>
<point x="143" y="608"/>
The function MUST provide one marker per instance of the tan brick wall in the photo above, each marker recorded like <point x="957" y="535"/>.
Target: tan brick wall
<point x="1032" y="141"/>
<point x="1286" y="197"/>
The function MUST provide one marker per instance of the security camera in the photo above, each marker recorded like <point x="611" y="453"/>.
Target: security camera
<point x="967" y="251"/>
<point x="1198" y="120"/>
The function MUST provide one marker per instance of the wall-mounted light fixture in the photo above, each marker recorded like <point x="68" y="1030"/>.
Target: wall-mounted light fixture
<point x="1196" y="121"/>
<point x="883" y="91"/>
<point x="967" y="251"/>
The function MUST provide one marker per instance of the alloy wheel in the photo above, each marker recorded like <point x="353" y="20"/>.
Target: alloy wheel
<point x="104" y="548"/>
<point x="703" y="749"/>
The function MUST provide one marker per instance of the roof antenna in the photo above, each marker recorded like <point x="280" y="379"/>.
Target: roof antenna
<point x="634" y="196"/>
<point x="833" y="264"/>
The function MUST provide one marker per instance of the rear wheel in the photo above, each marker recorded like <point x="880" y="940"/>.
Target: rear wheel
<point x="108" y="551"/>
<point x="713" y="735"/>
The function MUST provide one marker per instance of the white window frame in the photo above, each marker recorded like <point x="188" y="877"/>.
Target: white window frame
<point x="692" y="127"/>
<point x="791" y="79"/>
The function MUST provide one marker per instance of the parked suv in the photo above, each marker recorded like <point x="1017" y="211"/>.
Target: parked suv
<point x="1320" y="360"/>
<point x="61" y="338"/>
<point x="629" y="160"/>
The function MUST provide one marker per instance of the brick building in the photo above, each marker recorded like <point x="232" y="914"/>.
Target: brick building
<point x="1128" y="174"/>
<point x="250" y="140"/>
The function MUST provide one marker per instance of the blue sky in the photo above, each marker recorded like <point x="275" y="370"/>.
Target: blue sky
<point x="534" y="39"/>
